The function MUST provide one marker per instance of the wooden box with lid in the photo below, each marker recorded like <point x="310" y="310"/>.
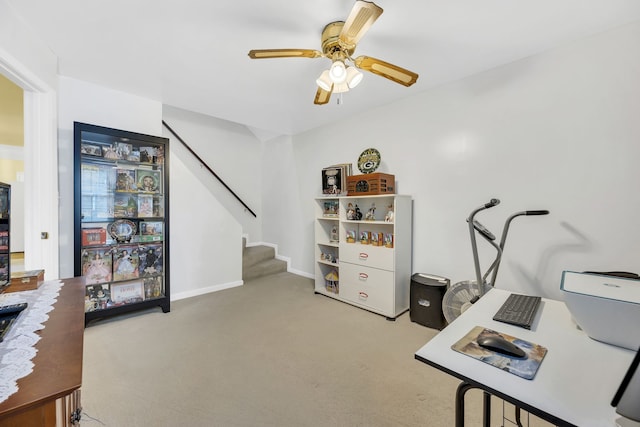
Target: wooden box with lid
<point x="25" y="280"/>
<point x="371" y="184"/>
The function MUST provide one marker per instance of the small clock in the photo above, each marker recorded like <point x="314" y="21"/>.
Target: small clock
<point x="369" y="160"/>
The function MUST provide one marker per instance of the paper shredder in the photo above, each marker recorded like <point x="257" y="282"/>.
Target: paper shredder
<point x="426" y="293"/>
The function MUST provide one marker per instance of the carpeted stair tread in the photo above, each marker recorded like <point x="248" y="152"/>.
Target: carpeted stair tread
<point x="255" y="254"/>
<point x="258" y="261"/>
<point x="264" y="268"/>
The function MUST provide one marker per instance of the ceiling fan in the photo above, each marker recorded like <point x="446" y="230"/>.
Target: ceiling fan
<point x="339" y="40"/>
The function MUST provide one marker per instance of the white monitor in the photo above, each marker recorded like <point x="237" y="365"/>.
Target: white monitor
<point x="627" y="398"/>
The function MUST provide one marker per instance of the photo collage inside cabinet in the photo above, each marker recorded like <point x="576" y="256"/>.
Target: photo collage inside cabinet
<point x="122" y="200"/>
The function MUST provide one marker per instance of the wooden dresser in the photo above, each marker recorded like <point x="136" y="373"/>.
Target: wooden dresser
<point x="51" y="393"/>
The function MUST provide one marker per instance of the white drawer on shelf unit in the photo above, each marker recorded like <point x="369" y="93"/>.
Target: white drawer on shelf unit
<point x="376" y="256"/>
<point x="369" y="287"/>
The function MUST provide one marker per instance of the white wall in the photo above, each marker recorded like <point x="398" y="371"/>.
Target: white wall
<point x="80" y="101"/>
<point x="557" y="131"/>
<point x="233" y="153"/>
<point x="206" y="221"/>
<point x="201" y="231"/>
<point x="206" y="241"/>
<point x="29" y="63"/>
<point x="18" y="43"/>
<point x="286" y="223"/>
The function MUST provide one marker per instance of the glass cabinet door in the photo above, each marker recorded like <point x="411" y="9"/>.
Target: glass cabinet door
<point x="121" y="238"/>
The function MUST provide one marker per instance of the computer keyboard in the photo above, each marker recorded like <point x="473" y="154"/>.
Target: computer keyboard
<point x="518" y="310"/>
<point x="8" y="315"/>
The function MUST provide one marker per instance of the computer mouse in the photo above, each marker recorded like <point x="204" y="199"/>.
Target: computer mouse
<point x="501" y="345"/>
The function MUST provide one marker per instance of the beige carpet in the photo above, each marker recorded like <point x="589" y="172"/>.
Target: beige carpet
<point x="269" y="353"/>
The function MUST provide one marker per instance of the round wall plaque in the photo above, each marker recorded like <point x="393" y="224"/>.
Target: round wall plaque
<point x="369" y="160"/>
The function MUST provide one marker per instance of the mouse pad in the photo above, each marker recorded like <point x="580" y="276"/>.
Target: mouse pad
<point x="522" y="367"/>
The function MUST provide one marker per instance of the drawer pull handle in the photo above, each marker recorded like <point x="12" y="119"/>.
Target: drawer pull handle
<point x="363" y="295"/>
<point x="363" y="276"/>
<point x="364" y="256"/>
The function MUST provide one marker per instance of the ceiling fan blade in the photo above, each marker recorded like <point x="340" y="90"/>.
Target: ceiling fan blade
<point x="361" y="17"/>
<point x="322" y="97"/>
<point x="284" y="53"/>
<point x="386" y="70"/>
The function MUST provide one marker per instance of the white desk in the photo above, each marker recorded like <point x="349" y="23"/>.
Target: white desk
<point x="575" y="382"/>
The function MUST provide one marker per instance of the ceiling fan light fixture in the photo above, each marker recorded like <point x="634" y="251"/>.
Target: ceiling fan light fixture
<point x="340" y="87"/>
<point x="338" y="72"/>
<point x="354" y="77"/>
<point x="324" y="81"/>
<point x="338" y="41"/>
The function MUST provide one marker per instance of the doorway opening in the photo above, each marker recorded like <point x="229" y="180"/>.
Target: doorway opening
<point x="40" y="168"/>
<point x="12" y="163"/>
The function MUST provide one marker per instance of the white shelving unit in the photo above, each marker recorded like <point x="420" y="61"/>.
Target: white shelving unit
<point x="374" y="277"/>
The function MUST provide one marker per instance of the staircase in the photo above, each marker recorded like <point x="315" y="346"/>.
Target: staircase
<point x="258" y="261"/>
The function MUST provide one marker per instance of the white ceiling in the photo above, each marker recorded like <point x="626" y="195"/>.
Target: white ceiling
<point x="192" y="54"/>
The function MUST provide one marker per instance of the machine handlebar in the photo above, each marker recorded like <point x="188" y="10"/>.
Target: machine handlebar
<point x="492" y="203"/>
<point x="542" y="212"/>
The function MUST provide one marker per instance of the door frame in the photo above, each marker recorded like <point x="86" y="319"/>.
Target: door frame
<point x="41" y="168"/>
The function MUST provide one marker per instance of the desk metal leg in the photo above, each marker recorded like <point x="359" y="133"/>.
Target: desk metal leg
<point x="518" y="420"/>
<point x="462" y="390"/>
<point x="486" y="412"/>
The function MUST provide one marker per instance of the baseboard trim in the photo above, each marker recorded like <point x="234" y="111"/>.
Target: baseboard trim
<point x="303" y="274"/>
<point x="207" y="290"/>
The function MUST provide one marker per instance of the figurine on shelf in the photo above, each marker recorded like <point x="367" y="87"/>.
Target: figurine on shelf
<point x="389" y="216"/>
<point x="332" y="282"/>
<point x="351" y="212"/>
<point x="371" y="214"/>
<point x="351" y="236"/>
<point x="358" y="215"/>
<point x="110" y="153"/>
<point x="334" y="234"/>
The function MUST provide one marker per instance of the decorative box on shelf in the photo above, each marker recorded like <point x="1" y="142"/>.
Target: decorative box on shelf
<point x="94" y="236"/>
<point x="371" y="184"/>
<point x="26" y="280"/>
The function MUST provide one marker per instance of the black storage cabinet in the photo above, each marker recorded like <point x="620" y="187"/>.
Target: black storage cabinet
<point x="427" y="291"/>
<point x="121" y="225"/>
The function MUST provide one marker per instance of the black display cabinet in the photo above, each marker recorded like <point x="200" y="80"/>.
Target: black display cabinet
<point x="121" y="224"/>
<point x="5" y="235"/>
